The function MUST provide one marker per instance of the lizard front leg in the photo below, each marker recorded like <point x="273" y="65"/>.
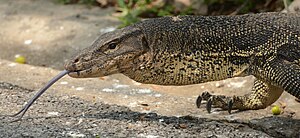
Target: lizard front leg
<point x="262" y="95"/>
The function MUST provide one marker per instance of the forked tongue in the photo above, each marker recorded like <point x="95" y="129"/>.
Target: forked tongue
<point x="38" y="94"/>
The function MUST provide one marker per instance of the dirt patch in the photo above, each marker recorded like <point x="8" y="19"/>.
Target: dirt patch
<point x="47" y="34"/>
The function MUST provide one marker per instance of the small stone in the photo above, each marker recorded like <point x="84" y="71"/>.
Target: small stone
<point x="108" y="90"/>
<point x="157" y="95"/>
<point x="63" y="82"/>
<point x="12" y="64"/>
<point x="184" y="126"/>
<point x="79" y="88"/>
<point x="27" y="42"/>
<point x="53" y="113"/>
<point x="144" y="91"/>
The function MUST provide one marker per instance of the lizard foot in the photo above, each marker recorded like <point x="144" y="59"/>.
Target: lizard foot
<point x="220" y="101"/>
<point x="261" y="96"/>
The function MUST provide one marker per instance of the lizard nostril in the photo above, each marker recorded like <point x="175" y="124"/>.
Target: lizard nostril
<point x="76" y="60"/>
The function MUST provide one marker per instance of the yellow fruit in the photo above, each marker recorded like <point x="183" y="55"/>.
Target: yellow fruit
<point x="20" y="59"/>
<point x="276" y="110"/>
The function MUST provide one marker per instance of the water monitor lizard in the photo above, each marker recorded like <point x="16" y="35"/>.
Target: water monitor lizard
<point x="187" y="50"/>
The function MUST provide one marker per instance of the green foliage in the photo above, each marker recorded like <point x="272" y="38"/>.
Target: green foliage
<point x="289" y="2"/>
<point x="165" y="11"/>
<point x="187" y="11"/>
<point x="133" y="10"/>
<point x="129" y="11"/>
<point x="210" y="2"/>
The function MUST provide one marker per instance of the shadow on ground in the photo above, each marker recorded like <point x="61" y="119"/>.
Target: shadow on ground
<point x="77" y="117"/>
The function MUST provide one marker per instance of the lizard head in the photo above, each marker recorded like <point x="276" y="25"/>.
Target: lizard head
<point x="111" y="53"/>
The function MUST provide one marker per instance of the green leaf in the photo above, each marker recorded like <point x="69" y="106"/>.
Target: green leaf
<point x="121" y="4"/>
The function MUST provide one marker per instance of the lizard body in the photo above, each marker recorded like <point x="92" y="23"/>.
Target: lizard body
<point x="187" y="50"/>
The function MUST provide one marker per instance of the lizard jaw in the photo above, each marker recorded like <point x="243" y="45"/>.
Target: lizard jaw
<point x="92" y="72"/>
<point x="95" y="70"/>
<point x="83" y="74"/>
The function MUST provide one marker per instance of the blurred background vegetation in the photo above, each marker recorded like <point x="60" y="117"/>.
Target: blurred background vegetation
<point x="131" y="11"/>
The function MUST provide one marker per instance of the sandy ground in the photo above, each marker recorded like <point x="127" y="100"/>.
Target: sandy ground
<point x="48" y="34"/>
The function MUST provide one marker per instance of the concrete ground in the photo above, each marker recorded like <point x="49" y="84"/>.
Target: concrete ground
<point x="47" y="34"/>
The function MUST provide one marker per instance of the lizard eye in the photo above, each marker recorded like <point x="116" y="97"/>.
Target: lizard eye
<point x="112" y="45"/>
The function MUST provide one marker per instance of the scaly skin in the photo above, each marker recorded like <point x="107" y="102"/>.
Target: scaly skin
<point x="187" y="50"/>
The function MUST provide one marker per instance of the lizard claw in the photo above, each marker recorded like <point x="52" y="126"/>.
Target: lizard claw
<point x="209" y="104"/>
<point x="206" y="95"/>
<point x="198" y="101"/>
<point x="219" y="101"/>
<point x="230" y="104"/>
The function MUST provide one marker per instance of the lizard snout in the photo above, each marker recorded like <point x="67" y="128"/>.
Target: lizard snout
<point x="78" y="63"/>
<point x="72" y="65"/>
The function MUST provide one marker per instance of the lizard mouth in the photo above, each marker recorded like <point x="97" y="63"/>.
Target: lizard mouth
<point x="84" y="73"/>
<point x="93" y="71"/>
<point x="78" y="73"/>
<point x="83" y="69"/>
